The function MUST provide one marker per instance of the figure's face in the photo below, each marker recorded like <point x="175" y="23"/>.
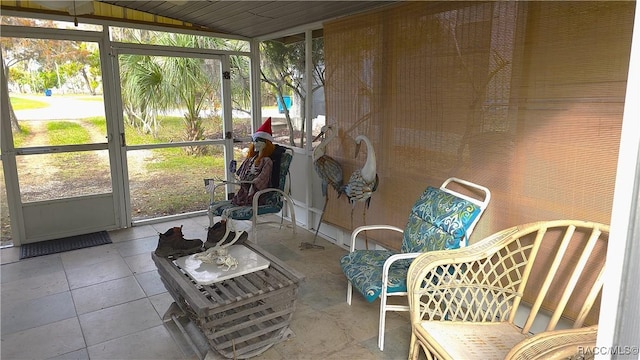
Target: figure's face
<point x="259" y="144"/>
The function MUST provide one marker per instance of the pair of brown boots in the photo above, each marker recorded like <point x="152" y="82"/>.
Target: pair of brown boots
<point x="173" y="244"/>
<point x="216" y="233"/>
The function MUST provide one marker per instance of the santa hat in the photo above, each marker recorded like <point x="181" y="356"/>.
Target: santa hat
<point x="264" y="131"/>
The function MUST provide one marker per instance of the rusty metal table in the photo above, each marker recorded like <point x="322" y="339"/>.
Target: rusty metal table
<point x="240" y="317"/>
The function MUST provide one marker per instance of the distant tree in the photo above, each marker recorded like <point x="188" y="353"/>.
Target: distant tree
<point x="86" y="62"/>
<point x="48" y="79"/>
<point x="15" y="51"/>
<point x="240" y="82"/>
<point x="283" y="68"/>
<point x="94" y="77"/>
<point x="57" y="60"/>
<point x="15" y="126"/>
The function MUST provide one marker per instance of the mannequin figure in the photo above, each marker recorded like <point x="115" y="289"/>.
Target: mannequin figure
<point x="255" y="171"/>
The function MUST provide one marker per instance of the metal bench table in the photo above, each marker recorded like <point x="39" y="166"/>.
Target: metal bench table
<point x="240" y="317"/>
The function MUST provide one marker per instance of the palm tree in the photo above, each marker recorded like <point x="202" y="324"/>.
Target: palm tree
<point x="154" y="84"/>
<point x="141" y="85"/>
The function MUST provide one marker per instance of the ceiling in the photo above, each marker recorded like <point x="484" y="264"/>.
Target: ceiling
<point x="252" y="19"/>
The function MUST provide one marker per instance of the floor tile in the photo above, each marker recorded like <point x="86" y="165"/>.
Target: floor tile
<point x="9" y="255"/>
<point x="139" y="246"/>
<point x="140" y="263"/>
<point x="37" y="312"/>
<point x="43" y="342"/>
<point x="203" y="221"/>
<point x="132" y="233"/>
<point x="396" y="343"/>
<point x="284" y="253"/>
<point x="117" y="321"/>
<point x="120" y="300"/>
<point x="89" y="256"/>
<point x="153" y="344"/>
<point x="315" y="336"/>
<point x="115" y="268"/>
<point x="323" y="290"/>
<point x="357" y="319"/>
<point x="34" y="287"/>
<point x="74" y="355"/>
<point x="191" y="229"/>
<point x="31" y="267"/>
<point x="106" y="294"/>
<point x="352" y="351"/>
<point x="151" y="283"/>
<point x="161" y="302"/>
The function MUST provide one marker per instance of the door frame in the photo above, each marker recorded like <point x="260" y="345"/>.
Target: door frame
<point x="109" y="50"/>
<point x="29" y="220"/>
<point x="117" y="49"/>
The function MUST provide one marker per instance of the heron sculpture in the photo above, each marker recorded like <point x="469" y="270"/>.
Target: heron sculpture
<point x="363" y="182"/>
<point x="330" y="172"/>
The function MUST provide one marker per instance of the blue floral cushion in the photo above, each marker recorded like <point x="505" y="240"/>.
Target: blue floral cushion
<point x="447" y="212"/>
<point x="438" y="221"/>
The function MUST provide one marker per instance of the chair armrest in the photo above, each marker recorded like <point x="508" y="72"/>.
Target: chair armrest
<point x="212" y="189"/>
<point x="557" y="344"/>
<point x="286" y="197"/>
<point x="256" y="196"/>
<point x="360" y="229"/>
<point x="390" y="261"/>
<point x="480" y="250"/>
<point x="396" y="257"/>
<point x="453" y="280"/>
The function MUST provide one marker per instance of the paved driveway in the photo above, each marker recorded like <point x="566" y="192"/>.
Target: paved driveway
<point x="61" y="108"/>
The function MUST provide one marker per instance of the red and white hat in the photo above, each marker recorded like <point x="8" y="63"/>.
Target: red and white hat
<point x="264" y="131"/>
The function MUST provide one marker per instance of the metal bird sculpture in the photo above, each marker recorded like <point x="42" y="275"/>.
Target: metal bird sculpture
<point x="363" y="182"/>
<point x="329" y="171"/>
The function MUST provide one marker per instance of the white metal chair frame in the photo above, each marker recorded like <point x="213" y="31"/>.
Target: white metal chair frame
<point x="384" y="306"/>
<point x="254" y="219"/>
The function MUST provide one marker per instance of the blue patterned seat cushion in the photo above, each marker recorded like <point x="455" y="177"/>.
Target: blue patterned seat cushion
<point x="272" y="200"/>
<point x="438" y="221"/>
<point x="242" y="212"/>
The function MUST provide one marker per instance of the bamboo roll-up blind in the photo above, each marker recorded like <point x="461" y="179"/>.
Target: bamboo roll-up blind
<point x="525" y="98"/>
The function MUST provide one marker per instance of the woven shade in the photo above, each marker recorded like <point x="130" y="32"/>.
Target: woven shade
<point x="525" y="98"/>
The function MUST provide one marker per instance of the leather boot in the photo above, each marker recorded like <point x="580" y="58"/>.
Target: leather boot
<point x="173" y="244"/>
<point x="216" y="232"/>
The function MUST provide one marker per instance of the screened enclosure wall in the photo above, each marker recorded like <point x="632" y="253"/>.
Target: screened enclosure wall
<point x="525" y="98"/>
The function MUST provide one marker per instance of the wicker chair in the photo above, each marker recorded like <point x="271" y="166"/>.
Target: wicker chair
<point x="441" y="218"/>
<point x="487" y="300"/>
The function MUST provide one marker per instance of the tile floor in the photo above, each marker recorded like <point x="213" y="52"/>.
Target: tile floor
<point x="107" y="302"/>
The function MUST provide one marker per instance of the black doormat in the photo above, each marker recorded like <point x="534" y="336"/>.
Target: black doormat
<point x="64" y="244"/>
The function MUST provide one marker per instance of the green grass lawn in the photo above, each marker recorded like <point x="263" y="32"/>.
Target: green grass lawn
<point x="168" y="180"/>
<point x="19" y="103"/>
<point x="89" y="97"/>
<point x="172" y="180"/>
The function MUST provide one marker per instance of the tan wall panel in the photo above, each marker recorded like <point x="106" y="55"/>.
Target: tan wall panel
<point x="525" y="98"/>
<point x="542" y="132"/>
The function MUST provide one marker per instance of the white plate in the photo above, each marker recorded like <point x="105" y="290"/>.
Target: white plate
<point x="206" y="274"/>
